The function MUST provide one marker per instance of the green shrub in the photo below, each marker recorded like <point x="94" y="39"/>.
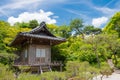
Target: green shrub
<point x="81" y="70"/>
<point x="105" y="69"/>
<point x="118" y="65"/>
<point x="44" y="76"/>
<point x="27" y="76"/>
<point x="54" y="76"/>
<point x="5" y="74"/>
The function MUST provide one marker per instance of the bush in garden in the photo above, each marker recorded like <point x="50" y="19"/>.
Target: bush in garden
<point x="5" y="74"/>
<point x="118" y="65"/>
<point x="80" y="70"/>
<point x="72" y="68"/>
<point x="105" y="70"/>
<point x="44" y="76"/>
<point x="54" y="76"/>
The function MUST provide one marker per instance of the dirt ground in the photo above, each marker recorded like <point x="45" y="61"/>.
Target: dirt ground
<point x="114" y="76"/>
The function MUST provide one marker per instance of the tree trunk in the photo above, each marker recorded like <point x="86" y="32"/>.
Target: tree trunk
<point x="115" y="59"/>
<point x="97" y="58"/>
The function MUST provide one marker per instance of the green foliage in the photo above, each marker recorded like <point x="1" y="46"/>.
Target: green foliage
<point x="105" y="70"/>
<point x="7" y="33"/>
<point x="30" y="24"/>
<point x="91" y="30"/>
<point x="62" y="31"/>
<point x="118" y="65"/>
<point x="53" y="29"/>
<point x="3" y="27"/>
<point x="5" y="74"/>
<point x="113" y="25"/>
<point x="24" y="25"/>
<point x="58" y="53"/>
<point x="6" y="58"/>
<point x="80" y="70"/>
<point x="94" y="49"/>
<point x="33" y="24"/>
<point x="72" y="68"/>
<point x="44" y="76"/>
<point x="76" y="26"/>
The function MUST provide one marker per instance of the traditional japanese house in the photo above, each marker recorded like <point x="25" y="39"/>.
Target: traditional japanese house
<point x="35" y="48"/>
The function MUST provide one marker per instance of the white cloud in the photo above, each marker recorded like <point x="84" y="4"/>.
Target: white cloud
<point x="80" y="13"/>
<point x="27" y="16"/>
<point x="106" y="10"/>
<point x="18" y="4"/>
<point x="55" y="16"/>
<point x="27" y="5"/>
<point x="97" y="22"/>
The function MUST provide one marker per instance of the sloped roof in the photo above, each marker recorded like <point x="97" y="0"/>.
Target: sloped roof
<point x="39" y="28"/>
<point x="40" y="33"/>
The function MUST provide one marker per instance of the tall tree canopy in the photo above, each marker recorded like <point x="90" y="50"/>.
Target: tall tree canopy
<point x="76" y="26"/>
<point x="91" y="30"/>
<point x="33" y="23"/>
<point x="113" y="25"/>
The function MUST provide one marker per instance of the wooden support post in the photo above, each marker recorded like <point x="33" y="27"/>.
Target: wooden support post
<point x="50" y="42"/>
<point x="60" y="67"/>
<point x="30" y="40"/>
<point x="30" y="69"/>
<point x="41" y="70"/>
<point x="38" y="70"/>
<point x="50" y="68"/>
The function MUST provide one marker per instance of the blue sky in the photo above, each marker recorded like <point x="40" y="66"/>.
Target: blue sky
<point x="59" y="12"/>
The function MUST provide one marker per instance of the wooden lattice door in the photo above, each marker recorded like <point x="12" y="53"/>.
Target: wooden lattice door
<point x="40" y="55"/>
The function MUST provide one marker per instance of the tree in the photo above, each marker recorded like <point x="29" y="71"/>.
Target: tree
<point x="76" y="26"/>
<point x="104" y="46"/>
<point x="21" y="25"/>
<point x="33" y="23"/>
<point x="53" y="29"/>
<point x="94" y="42"/>
<point x="113" y="46"/>
<point x="3" y="33"/>
<point x="113" y="25"/>
<point x="7" y="33"/>
<point x="64" y="31"/>
<point x="91" y="30"/>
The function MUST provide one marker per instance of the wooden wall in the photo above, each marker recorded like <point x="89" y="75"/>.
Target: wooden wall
<point x="32" y="53"/>
<point x="23" y="59"/>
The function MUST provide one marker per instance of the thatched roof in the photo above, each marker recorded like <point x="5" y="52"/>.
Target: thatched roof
<point x="38" y="35"/>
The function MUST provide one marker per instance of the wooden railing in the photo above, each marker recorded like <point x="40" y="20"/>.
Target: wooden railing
<point x="54" y="63"/>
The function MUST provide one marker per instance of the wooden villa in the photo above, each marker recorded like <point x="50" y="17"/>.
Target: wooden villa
<point x="35" y="48"/>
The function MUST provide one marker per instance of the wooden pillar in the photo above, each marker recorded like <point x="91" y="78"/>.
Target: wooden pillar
<point x="50" y="68"/>
<point x="38" y="70"/>
<point x="41" y="70"/>
<point x="30" y="40"/>
<point x="60" y="67"/>
<point x="50" y="43"/>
